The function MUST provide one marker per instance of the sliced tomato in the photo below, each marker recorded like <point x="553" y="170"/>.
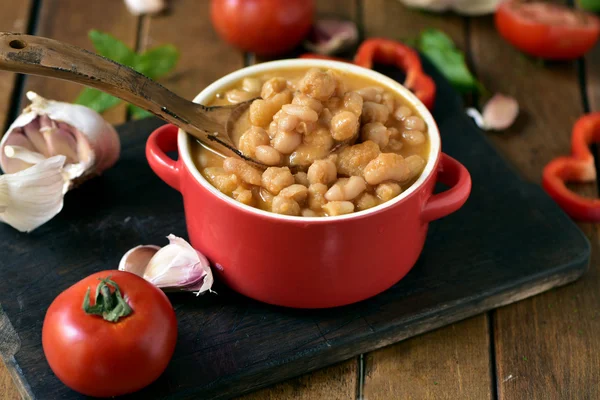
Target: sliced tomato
<point x="546" y="30"/>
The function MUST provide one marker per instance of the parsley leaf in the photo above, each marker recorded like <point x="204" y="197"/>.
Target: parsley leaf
<point x="450" y="61"/>
<point x="153" y="63"/>
<point x="96" y="100"/>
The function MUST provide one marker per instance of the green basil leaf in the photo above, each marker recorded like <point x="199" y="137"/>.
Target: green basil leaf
<point x="157" y="61"/>
<point x="138" y="113"/>
<point x="441" y="51"/>
<point x="96" y="100"/>
<point x="110" y="47"/>
<point x="589" y="5"/>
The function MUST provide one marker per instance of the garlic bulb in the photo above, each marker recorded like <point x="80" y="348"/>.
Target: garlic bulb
<point x="45" y="129"/>
<point x="464" y="7"/>
<point x="140" y="7"/>
<point x="175" y="266"/>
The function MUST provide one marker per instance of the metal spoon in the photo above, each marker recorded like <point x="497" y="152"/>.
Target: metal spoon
<point x="46" y="57"/>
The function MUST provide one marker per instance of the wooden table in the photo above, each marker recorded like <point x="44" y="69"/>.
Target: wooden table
<point x="545" y="347"/>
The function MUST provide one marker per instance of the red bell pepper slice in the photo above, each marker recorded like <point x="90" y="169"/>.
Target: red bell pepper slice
<point x="579" y="167"/>
<point x="385" y="51"/>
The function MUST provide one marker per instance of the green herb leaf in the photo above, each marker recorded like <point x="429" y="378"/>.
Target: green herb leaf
<point x="111" y="47"/>
<point x="158" y="61"/>
<point x="138" y="113"/>
<point x="589" y="5"/>
<point x="441" y="51"/>
<point x="96" y="100"/>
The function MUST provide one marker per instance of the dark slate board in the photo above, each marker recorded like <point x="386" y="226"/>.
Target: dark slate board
<point x="510" y="241"/>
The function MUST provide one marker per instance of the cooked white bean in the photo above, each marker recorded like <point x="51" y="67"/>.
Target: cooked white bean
<point x="243" y="170"/>
<point x="387" y="190"/>
<point x="316" y="196"/>
<point x="413" y="138"/>
<point x="287" y="122"/>
<point x="388" y="100"/>
<point x="334" y="208"/>
<point x="387" y="166"/>
<point x="285" y="206"/>
<point x="376" y="132"/>
<point x="286" y="142"/>
<point x="252" y="85"/>
<point x="371" y="93"/>
<point x="296" y="192"/>
<point x="305" y="113"/>
<point x="346" y="189"/>
<point x="275" y="179"/>
<point x="304" y="100"/>
<point x="272" y="87"/>
<point x="252" y="138"/>
<point x="243" y="195"/>
<point x="415" y="165"/>
<point x="414" y="123"/>
<point x="374" y="112"/>
<point x="402" y="113"/>
<point x="301" y="178"/>
<point x="344" y="125"/>
<point x="365" y="201"/>
<point x="238" y="96"/>
<point x="267" y="155"/>
<point x="322" y="171"/>
<point x="353" y="102"/>
<point x="317" y="84"/>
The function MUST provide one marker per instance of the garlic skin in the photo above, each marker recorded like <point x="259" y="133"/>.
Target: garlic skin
<point x="463" y="7"/>
<point x="33" y="196"/>
<point x="177" y="266"/>
<point x="52" y="146"/>
<point x="91" y="145"/>
<point x="140" y="7"/>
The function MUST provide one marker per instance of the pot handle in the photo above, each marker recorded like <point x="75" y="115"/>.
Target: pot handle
<point x="455" y="175"/>
<point x="160" y="141"/>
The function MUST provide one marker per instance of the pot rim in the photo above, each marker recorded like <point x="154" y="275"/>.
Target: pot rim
<point x="183" y="139"/>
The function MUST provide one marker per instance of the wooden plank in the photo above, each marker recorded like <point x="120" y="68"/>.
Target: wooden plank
<point x="338" y="382"/>
<point x="546" y="346"/>
<point x="13" y="18"/>
<point x="70" y="21"/>
<point x="203" y="56"/>
<point x="453" y="361"/>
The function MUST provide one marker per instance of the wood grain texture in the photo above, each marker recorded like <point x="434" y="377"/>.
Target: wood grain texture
<point x="428" y="366"/>
<point x="204" y="58"/>
<point x="70" y="21"/>
<point x="338" y="382"/>
<point x="13" y="18"/>
<point x="451" y="362"/>
<point x="547" y="347"/>
<point x="8" y="390"/>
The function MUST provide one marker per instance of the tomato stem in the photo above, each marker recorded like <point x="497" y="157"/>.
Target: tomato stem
<point x="110" y="305"/>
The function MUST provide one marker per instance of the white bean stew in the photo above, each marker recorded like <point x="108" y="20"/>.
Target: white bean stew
<point x="301" y="117"/>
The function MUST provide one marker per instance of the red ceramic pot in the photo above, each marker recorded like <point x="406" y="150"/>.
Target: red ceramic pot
<point x="309" y="262"/>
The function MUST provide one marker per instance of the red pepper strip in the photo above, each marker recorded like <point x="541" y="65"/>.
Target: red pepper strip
<point x="386" y="51"/>
<point x="323" y="57"/>
<point x="579" y="167"/>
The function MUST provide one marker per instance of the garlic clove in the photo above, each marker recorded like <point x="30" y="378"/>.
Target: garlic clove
<point x="136" y="260"/>
<point x="140" y="7"/>
<point x="33" y="196"/>
<point x="500" y="112"/>
<point x="330" y="36"/>
<point x="177" y="266"/>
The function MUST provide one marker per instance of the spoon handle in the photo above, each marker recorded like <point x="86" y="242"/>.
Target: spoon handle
<point x="37" y="55"/>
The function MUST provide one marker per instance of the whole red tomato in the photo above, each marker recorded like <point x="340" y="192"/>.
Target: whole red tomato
<point x="547" y="30"/>
<point x="97" y="357"/>
<point x="264" y="27"/>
